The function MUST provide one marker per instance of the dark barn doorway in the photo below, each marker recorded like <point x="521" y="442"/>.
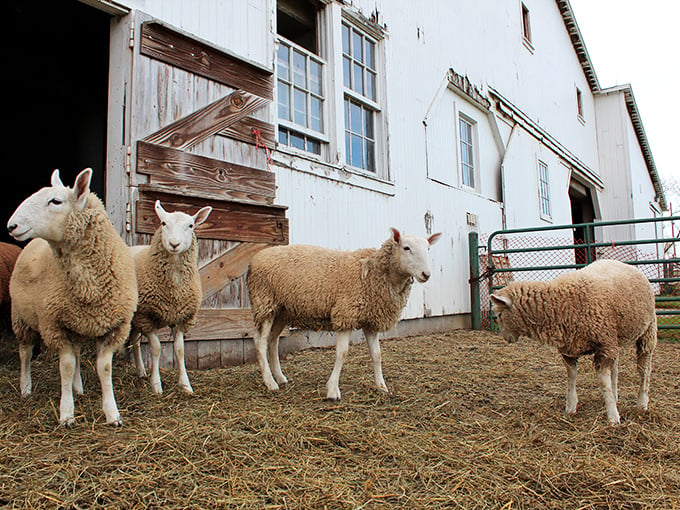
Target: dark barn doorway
<point x="582" y="211"/>
<point x="57" y="64"/>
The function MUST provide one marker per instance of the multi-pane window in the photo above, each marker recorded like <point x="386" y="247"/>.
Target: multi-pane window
<point x="467" y="152"/>
<point x="544" y="189"/>
<point x="361" y="96"/>
<point x="300" y="97"/>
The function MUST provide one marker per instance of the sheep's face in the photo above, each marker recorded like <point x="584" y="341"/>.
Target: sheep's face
<point x="177" y="228"/>
<point x="503" y="308"/>
<point x="45" y="212"/>
<point x="414" y="257"/>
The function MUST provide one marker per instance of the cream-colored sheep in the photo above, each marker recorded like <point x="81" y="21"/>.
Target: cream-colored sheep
<point x="170" y="292"/>
<point x="596" y="310"/>
<point x="73" y="284"/>
<point x="315" y="288"/>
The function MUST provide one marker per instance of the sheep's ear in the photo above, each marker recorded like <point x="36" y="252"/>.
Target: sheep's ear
<point x="202" y="215"/>
<point x="55" y="180"/>
<point x="501" y="300"/>
<point x="160" y="212"/>
<point x="434" y="238"/>
<point x="396" y="235"/>
<point x="81" y="188"/>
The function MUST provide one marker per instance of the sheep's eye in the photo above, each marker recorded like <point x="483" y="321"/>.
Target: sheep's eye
<point x="163" y="223"/>
<point x="191" y="226"/>
<point x="407" y="248"/>
<point x="55" y="201"/>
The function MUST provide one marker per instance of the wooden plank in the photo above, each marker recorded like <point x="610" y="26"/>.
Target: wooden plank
<point x="162" y="43"/>
<point x="171" y="187"/>
<point x="209" y="176"/>
<point x="209" y="120"/>
<point x="229" y="221"/>
<point x="227" y="266"/>
<point x="243" y="131"/>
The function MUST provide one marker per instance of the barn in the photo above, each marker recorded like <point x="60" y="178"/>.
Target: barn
<point x="323" y="122"/>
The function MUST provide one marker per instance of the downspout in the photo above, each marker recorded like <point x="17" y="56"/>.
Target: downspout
<point x="502" y="150"/>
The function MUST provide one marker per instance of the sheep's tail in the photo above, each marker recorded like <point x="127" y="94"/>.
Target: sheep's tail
<point x="647" y="341"/>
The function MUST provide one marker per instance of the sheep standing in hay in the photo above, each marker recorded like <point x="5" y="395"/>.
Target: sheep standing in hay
<point x="315" y="288"/>
<point x="73" y="284"/>
<point x="596" y="310"/>
<point x="170" y="291"/>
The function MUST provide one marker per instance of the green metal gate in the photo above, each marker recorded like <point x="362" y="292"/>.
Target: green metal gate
<point x="542" y="253"/>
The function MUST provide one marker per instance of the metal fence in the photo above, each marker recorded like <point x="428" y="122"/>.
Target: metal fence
<point x="543" y="253"/>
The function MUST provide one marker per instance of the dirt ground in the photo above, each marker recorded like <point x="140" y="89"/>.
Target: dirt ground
<point x="472" y="422"/>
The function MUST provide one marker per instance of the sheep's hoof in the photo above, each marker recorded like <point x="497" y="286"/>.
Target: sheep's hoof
<point x="282" y="380"/>
<point x="187" y="389"/>
<point x="157" y="388"/>
<point x="333" y="396"/>
<point x="272" y="386"/>
<point x="116" y="422"/>
<point x="384" y="390"/>
<point x="68" y="422"/>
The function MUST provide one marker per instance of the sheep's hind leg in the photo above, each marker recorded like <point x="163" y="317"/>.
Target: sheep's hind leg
<point x="25" y="383"/>
<point x="273" y="347"/>
<point x="67" y="368"/>
<point x="261" y="339"/>
<point x="104" y="371"/>
<point x="178" y="346"/>
<point x="136" y="346"/>
<point x="603" y="367"/>
<point x="571" y="364"/>
<point x="645" y="351"/>
<point x="77" y="378"/>
<point x="341" y="348"/>
<point x="373" y="343"/>
<point x="155" y="350"/>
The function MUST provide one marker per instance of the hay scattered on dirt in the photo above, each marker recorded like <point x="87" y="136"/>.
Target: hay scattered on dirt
<point x="472" y="423"/>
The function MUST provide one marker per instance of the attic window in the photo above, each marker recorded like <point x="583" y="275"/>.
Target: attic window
<point x="526" y="28"/>
<point x="579" y="104"/>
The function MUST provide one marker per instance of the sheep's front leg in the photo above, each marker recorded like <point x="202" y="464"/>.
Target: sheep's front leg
<point x="77" y="378"/>
<point x="25" y="383"/>
<point x="178" y="345"/>
<point x="261" y="339"/>
<point x="603" y="367"/>
<point x="273" y="345"/>
<point x="67" y="367"/>
<point x="374" y="349"/>
<point x="155" y="350"/>
<point x="104" y="371"/>
<point x="341" y="348"/>
<point x="571" y="364"/>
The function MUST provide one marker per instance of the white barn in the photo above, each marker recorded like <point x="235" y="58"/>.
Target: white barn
<point x="328" y="121"/>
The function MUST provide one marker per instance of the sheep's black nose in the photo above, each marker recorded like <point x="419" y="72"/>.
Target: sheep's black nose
<point x="11" y="228"/>
<point x="425" y="275"/>
<point x="174" y="245"/>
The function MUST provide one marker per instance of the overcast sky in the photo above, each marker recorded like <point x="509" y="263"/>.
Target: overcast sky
<point x="638" y="42"/>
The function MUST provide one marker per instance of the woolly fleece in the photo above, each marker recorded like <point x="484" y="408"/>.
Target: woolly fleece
<point x="321" y="289"/>
<point x="85" y="289"/>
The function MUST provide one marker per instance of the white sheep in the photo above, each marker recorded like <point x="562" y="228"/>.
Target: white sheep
<point x="596" y="310"/>
<point x="316" y="288"/>
<point x="72" y="284"/>
<point x="170" y="292"/>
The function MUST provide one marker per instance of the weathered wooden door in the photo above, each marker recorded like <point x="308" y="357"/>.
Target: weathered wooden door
<point x="199" y="136"/>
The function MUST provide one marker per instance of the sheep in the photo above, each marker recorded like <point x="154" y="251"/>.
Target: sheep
<point x="320" y="289"/>
<point x="73" y="284"/>
<point x="596" y="310"/>
<point x="170" y="292"/>
<point x="8" y="256"/>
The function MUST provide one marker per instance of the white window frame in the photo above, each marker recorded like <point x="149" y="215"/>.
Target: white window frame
<point x="544" y="195"/>
<point x="579" y="106"/>
<point x="473" y="143"/>
<point x="289" y="125"/>
<point x="374" y="105"/>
